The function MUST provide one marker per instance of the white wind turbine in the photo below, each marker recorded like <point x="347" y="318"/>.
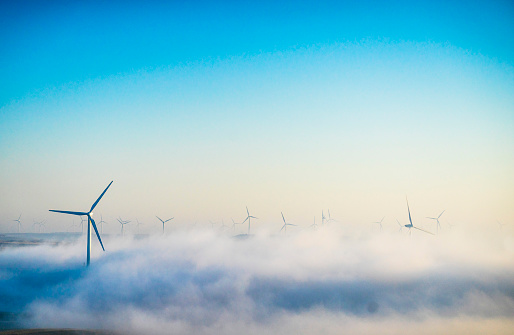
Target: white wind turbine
<point x="234" y="224"/>
<point x="284" y="227"/>
<point x="380" y="223"/>
<point x="138" y="224"/>
<point x="82" y="220"/>
<point x="314" y="225"/>
<point x="18" y="221"/>
<point x="102" y="224"/>
<point x="411" y="225"/>
<point x="401" y="226"/>
<point x="90" y="222"/>
<point x="123" y="223"/>
<point x="248" y="217"/>
<point x="437" y="220"/>
<point x="163" y="222"/>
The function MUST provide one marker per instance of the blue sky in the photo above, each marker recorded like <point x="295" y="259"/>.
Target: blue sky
<point x="201" y="109"/>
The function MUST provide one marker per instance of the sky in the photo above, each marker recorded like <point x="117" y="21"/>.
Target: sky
<point x="197" y="109"/>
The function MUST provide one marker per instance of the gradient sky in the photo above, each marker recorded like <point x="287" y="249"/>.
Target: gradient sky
<point x="198" y="109"/>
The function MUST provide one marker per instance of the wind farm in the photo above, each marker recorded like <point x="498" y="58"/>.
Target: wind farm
<point x="213" y="141"/>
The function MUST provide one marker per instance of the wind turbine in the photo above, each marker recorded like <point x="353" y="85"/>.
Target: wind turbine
<point x="234" y="224"/>
<point x="89" y="222"/>
<point x="380" y="223"/>
<point x="248" y="217"/>
<point x="314" y="224"/>
<point x="401" y="226"/>
<point x="123" y="223"/>
<point x="138" y="224"/>
<point x="37" y="223"/>
<point x="101" y="224"/>
<point x="285" y="224"/>
<point x="437" y="219"/>
<point x="323" y="218"/>
<point x="18" y="220"/>
<point x="82" y="220"/>
<point x="163" y="222"/>
<point x="410" y="225"/>
<point x="330" y="218"/>
<point x="500" y="224"/>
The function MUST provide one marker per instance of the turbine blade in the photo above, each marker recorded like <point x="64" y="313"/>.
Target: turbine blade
<point x="245" y="219"/>
<point x="159" y="219"/>
<point x="423" y="230"/>
<point x="410" y="220"/>
<point x="68" y="212"/>
<point x="168" y="220"/>
<point x="253" y="217"/>
<point x="282" y="227"/>
<point x="431" y="218"/>
<point x="100" y="197"/>
<point x="441" y="214"/>
<point x="283" y="217"/>
<point x="247" y="212"/>
<point x="96" y="230"/>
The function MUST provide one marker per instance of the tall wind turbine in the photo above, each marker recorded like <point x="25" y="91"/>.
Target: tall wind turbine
<point x="248" y="217"/>
<point x="323" y="218"/>
<point x="437" y="219"/>
<point x="123" y="223"/>
<point x="285" y="224"/>
<point x="89" y="222"/>
<point x="380" y="223"/>
<point x="18" y="221"/>
<point x="163" y="222"/>
<point x="410" y="225"/>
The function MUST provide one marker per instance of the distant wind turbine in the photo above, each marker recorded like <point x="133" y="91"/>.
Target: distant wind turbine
<point x="411" y="225"/>
<point x="234" y="224"/>
<point x="284" y="227"/>
<point x="138" y="224"/>
<point x="90" y="221"/>
<point x="163" y="222"/>
<point x="18" y="221"/>
<point x="314" y="225"/>
<point x="248" y="217"/>
<point x="102" y="224"/>
<point x="82" y="220"/>
<point x="323" y="218"/>
<point x="500" y="224"/>
<point x="123" y="223"/>
<point x="330" y="218"/>
<point x="39" y="224"/>
<point x="380" y="223"/>
<point x="401" y="226"/>
<point x="437" y="220"/>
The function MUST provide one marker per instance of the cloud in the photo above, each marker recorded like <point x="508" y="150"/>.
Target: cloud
<point x="204" y="282"/>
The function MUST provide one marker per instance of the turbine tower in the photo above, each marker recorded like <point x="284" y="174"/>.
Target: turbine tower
<point x="163" y="222"/>
<point x="411" y="225"/>
<point x="89" y="222"/>
<point x="285" y="224"/>
<point x="437" y="220"/>
<point x="248" y="217"/>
